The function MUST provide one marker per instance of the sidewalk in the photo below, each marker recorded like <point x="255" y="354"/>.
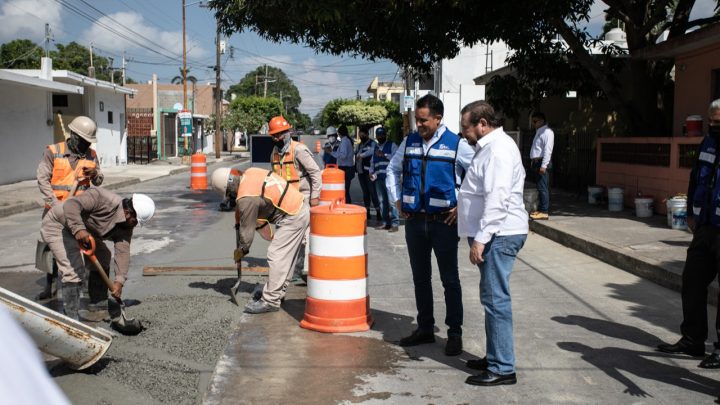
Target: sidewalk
<point x="646" y="247"/>
<point x="25" y="196"/>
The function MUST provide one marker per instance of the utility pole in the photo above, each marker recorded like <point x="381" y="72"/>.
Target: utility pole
<point x="47" y="40"/>
<point x="91" y="69"/>
<point x="184" y="72"/>
<point x="124" y="64"/>
<point x="218" y="93"/>
<point x="112" y="70"/>
<point x="266" y="80"/>
<point x="265" y="91"/>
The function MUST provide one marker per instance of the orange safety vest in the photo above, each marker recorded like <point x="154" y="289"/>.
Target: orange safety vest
<point x="63" y="176"/>
<point x="257" y="182"/>
<point x="286" y="168"/>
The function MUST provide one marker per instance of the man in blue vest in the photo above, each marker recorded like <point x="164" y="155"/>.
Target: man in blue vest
<point x="378" y="169"/>
<point x="702" y="264"/>
<point x="423" y="178"/>
<point x="363" y="162"/>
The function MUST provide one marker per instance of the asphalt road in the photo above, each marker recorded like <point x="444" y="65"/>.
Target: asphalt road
<point x="584" y="331"/>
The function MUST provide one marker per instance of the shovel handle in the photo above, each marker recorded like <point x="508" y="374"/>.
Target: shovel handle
<point x="90" y="254"/>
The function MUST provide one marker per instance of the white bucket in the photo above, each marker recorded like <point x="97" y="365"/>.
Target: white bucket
<point x="615" y="199"/>
<point x="678" y="213"/>
<point x="643" y="207"/>
<point x="530" y="198"/>
<point x="595" y="194"/>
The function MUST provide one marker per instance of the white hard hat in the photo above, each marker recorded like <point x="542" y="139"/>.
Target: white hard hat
<point x="84" y="127"/>
<point x="219" y="180"/>
<point x="144" y="207"/>
<point x="331" y="131"/>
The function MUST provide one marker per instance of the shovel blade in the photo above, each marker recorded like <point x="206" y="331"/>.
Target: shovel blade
<point x="233" y="293"/>
<point x="127" y="326"/>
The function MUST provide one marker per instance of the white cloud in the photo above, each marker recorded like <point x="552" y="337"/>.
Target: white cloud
<point x="703" y="9"/>
<point x="20" y="19"/>
<point x="319" y="87"/>
<point x="171" y="41"/>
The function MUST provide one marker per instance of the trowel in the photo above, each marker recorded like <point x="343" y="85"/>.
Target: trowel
<point x="123" y="324"/>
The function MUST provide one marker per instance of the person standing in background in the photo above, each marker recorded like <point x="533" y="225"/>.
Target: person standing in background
<point x="540" y="164"/>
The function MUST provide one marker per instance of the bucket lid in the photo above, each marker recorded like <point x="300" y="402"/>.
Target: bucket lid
<point x="694" y="118"/>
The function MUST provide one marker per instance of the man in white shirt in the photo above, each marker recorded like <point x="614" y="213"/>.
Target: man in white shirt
<point x="345" y="155"/>
<point x="540" y="166"/>
<point x="492" y="216"/>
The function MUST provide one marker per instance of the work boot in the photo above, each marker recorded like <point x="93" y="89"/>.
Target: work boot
<point x="259" y="307"/>
<point x="71" y="299"/>
<point x="46" y="293"/>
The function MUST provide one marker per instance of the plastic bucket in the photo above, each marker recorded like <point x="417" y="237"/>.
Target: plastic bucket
<point x="643" y="207"/>
<point x="693" y="125"/>
<point x="678" y="213"/>
<point x="530" y="198"/>
<point x="595" y="194"/>
<point x="615" y="199"/>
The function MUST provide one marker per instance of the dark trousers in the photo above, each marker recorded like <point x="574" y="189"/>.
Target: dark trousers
<point x="369" y="194"/>
<point x="422" y="238"/>
<point x="349" y="174"/>
<point x="542" y="181"/>
<point x="701" y="267"/>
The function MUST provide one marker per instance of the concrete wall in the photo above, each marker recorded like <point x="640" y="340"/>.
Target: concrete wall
<point x="24" y="133"/>
<point x="693" y="85"/>
<point x="658" y="181"/>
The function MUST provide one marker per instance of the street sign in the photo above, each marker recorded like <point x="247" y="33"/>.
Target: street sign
<point x="408" y="103"/>
<point x="185" y="122"/>
<point x="177" y="106"/>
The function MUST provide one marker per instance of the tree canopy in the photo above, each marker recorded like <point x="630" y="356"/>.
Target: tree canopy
<point x="25" y="54"/>
<point x="416" y="34"/>
<point x="250" y="113"/>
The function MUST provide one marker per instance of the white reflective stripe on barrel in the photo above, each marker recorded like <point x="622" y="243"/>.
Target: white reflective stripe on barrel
<point x="331" y="186"/>
<point x="338" y="246"/>
<point x="337" y="290"/>
<point x="198" y="174"/>
<point x="198" y="164"/>
<point x="325" y="202"/>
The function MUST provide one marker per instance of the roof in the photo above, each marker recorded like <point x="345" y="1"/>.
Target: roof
<point x="8" y="75"/>
<point x="487" y="77"/>
<point x="683" y="44"/>
<point x="67" y="76"/>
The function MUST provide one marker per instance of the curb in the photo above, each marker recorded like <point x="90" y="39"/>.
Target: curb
<point x="29" y="206"/>
<point x="642" y="267"/>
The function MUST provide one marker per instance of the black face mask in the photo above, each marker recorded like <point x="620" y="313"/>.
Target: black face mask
<point x="278" y="142"/>
<point x="714" y="131"/>
<point x="78" y="144"/>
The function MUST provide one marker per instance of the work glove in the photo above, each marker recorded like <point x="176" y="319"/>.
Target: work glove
<point x="83" y="237"/>
<point x="238" y="254"/>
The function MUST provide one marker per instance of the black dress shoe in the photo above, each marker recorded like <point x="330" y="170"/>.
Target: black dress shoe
<point x="488" y="378"/>
<point x="453" y="347"/>
<point x="711" y="361"/>
<point x="418" y="337"/>
<point x="683" y="346"/>
<point x="478" y="364"/>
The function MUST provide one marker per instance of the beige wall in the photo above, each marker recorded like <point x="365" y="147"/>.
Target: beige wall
<point x="169" y="94"/>
<point x="693" y="81"/>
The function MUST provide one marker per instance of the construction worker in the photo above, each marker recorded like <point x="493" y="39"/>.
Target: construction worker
<point x="330" y="146"/>
<point x="294" y="162"/>
<point x="263" y="198"/>
<point x="62" y="165"/>
<point x="103" y="215"/>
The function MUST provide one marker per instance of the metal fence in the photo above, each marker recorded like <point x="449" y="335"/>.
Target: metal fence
<point x="141" y="149"/>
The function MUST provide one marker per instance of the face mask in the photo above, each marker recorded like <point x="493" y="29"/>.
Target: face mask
<point x="332" y="139"/>
<point x="78" y="144"/>
<point x="714" y="131"/>
<point x="380" y="139"/>
<point x="278" y="142"/>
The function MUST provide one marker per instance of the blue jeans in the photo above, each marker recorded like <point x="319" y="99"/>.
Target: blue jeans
<point x="542" y="181"/>
<point x="499" y="256"/>
<point x="422" y="238"/>
<point x="389" y="210"/>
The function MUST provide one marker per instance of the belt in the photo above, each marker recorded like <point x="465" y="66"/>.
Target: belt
<point x="537" y="159"/>
<point x="441" y="216"/>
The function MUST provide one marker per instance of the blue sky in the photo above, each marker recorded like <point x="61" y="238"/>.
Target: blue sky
<point x="153" y="43"/>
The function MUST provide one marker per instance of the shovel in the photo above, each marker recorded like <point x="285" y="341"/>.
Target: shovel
<point x="123" y="324"/>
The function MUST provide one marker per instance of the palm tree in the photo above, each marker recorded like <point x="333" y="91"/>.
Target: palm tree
<point x="179" y="79"/>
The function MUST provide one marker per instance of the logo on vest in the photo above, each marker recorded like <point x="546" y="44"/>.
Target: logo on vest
<point x="443" y="146"/>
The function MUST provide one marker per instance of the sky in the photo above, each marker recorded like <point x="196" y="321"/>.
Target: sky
<point x="149" y="32"/>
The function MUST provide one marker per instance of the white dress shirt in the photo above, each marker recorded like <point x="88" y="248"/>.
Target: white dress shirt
<point x="490" y="201"/>
<point x="344" y="154"/>
<point x="393" y="181"/>
<point x="542" y="145"/>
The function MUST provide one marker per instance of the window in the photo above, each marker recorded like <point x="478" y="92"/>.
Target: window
<point x="110" y="117"/>
<point x="715" y="84"/>
<point x="60" y="100"/>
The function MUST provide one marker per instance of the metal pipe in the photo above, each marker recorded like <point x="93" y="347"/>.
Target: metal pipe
<point x="74" y="342"/>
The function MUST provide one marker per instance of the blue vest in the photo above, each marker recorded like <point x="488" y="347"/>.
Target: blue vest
<point x="380" y="163"/>
<point x="328" y="158"/>
<point x="363" y="148"/>
<point x="429" y="180"/>
<point x="704" y="191"/>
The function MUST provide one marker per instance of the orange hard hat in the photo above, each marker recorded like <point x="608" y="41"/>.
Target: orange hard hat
<point x="278" y="124"/>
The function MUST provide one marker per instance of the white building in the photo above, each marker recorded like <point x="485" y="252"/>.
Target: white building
<point x="26" y="114"/>
<point x="102" y="101"/>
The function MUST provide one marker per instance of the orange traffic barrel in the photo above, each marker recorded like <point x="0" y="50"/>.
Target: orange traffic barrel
<point x="317" y="146"/>
<point x="337" y="296"/>
<point x="198" y="172"/>
<point x="333" y="185"/>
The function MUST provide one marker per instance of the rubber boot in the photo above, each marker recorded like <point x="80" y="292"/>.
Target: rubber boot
<point x="71" y="299"/>
<point x="47" y="291"/>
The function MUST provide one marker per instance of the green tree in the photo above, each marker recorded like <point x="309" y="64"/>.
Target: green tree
<point x="188" y="77"/>
<point x="250" y="113"/>
<point x="362" y="114"/>
<point x="20" y="54"/>
<point x="416" y="34"/>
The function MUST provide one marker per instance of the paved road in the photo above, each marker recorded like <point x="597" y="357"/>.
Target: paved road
<point x="585" y="331"/>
